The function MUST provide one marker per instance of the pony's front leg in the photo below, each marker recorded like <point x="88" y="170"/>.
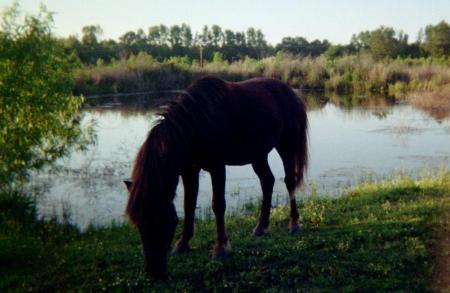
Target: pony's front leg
<point x="190" y="183"/>
<point x="222" y="247"/>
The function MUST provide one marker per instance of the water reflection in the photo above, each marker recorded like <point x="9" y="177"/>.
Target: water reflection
<point x="436" y="103"/>
<point x="352" y="139"/>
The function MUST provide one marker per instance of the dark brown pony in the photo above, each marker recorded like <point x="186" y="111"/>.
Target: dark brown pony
<point x="216" y="123"/>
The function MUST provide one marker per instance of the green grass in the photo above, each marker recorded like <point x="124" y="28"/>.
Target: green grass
<point x="360" y="74"/>
<point x="376" y="237"/>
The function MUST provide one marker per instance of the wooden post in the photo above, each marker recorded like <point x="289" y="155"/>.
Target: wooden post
<point x="201" y="57"/>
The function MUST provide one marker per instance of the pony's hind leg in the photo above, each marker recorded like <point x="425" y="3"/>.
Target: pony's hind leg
<point x="222" y="247"/>
<point x="267" y="180"/>
<point x="289" y="179"/>
<point x="190" y="183"/>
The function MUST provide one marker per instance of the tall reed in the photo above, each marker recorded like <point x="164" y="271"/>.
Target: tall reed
<point x="347" y="74"/>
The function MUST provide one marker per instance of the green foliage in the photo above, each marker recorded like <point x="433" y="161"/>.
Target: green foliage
<point x="376" y="237"/>
<point x="39" y="117"/>
<point x="313" y="211"/>
<point x="218" y="58"/>
<point x="383" y="43"/>
<point x="437" y="39"/>
<point x="16" y="211"/>
<point x="164" y="42"/>
<point x="346" y="74"/>
<point x="334" y="51"/>
<point x="361" y="41"/>
<point x="300" y="46"/>
<point x="91" y="34"/>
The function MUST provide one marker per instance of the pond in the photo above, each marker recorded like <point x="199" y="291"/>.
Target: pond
<point x="351" y="139"/>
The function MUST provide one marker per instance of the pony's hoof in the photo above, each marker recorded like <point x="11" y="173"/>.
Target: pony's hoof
<point x="259" y="231"/>
<point x="221" y="251"/>
<point x="295" y="229"/>
<point x="181" y="247"/>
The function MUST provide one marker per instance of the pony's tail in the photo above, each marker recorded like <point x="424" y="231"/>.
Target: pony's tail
<point x="301" y="154"/>
<point x="139" y="185"/>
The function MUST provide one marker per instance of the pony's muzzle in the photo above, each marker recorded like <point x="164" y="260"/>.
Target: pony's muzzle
<point x="128" y="183"/>
<point x="155" y="265"/>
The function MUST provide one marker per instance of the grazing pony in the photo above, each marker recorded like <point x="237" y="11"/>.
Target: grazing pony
<point x="213" y="124"/>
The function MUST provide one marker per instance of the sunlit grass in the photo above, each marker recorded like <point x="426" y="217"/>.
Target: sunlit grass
<point x="376" y="237"/>
<point x="347" y="74"/>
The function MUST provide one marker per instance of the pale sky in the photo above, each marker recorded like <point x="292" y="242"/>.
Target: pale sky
<point x="335" y="20"/>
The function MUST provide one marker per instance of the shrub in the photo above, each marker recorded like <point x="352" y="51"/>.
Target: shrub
<point x="39" y="117"/>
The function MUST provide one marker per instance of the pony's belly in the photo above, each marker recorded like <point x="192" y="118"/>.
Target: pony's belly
<point x="208" y="162"/>
<point x="235" y="156"/>
<point x="237" y="162"/>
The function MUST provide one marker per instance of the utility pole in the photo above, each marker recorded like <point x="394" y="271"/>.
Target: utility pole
<point x="201" y="57"/>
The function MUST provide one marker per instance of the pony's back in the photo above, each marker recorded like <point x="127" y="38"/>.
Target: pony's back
<point x="278" y="105"/>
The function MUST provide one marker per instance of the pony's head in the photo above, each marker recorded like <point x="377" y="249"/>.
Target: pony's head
<point x="150" y="205"/>
<point x="157" y="230"/>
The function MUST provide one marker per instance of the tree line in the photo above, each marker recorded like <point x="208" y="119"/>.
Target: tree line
<point x="164" y="42"/>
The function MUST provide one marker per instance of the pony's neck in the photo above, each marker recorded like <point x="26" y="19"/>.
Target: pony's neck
<point x="179" y="137"/>
<point x="173" y="149"/>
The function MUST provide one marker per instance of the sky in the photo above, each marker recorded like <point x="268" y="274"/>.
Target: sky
<point x="335" y="20"/>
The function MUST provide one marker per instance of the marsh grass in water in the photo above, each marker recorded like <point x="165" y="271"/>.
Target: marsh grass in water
<point x="376" y="237"/>
<point x="347" y="74"/>
<point x="435" y="103"/>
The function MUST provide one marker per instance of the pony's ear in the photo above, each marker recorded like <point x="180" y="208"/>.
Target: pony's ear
<point x="128" y="183"/>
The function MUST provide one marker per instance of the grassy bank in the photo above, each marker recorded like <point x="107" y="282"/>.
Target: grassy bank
<point x="436" y="103"/>
<point x="376" y="237"/>
<point x="348" y="74"/>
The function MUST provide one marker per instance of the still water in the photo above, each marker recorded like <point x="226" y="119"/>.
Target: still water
<point x="351" y="140"/>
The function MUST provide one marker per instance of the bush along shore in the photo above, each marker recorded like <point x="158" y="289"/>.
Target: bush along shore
<point x="347" y="74"/>
<point x="376" y="237"/>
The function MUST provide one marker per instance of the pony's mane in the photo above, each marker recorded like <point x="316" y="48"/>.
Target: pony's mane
<point x="196" y="106"/>
<point x="174" y="132"/>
